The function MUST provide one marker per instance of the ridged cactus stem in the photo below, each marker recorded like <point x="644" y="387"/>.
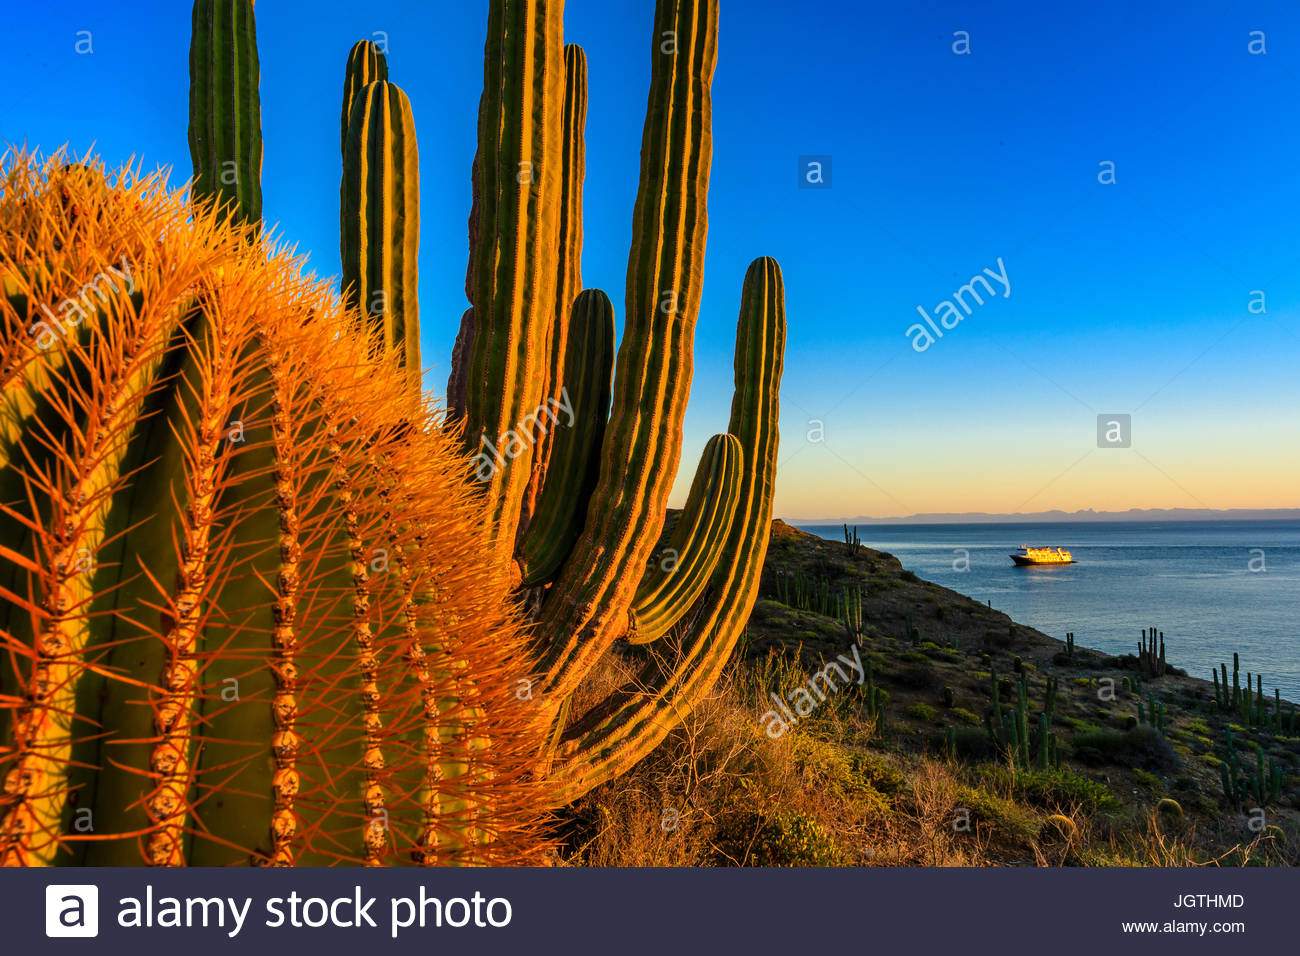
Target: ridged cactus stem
<point x="586" y="609"/>
<point x="225" y="109"/>
<point x="92" y="466"/>
<point x="366" y="64"/>
<point x="569" y="250"/>
<point x="179" y="709"/>
<point x="514" y="269"/>
<point x="576" y="429"/>
<point x="680" y="573"/>
<point x="286" y="780"/>
<point x="380" y="222"/>
<point x="632" y="722"/>
<point x="375" y="838"/>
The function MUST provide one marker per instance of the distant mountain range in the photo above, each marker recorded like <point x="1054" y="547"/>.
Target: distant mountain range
<point x="1133" y="514"/>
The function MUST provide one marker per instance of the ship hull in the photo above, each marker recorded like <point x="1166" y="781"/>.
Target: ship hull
<point x="1025" y="562"/>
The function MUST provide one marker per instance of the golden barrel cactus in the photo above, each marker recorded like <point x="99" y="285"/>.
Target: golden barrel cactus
<point x="247" y="615"/>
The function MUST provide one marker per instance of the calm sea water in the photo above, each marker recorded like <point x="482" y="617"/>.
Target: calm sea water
<point x="1192" y="579"/>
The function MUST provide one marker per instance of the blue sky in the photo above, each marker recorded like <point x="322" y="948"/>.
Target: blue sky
<point x="1131" y="298"/>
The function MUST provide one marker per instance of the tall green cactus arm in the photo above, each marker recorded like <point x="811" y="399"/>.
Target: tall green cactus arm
<point x="225" y="109"/>
<point x="586" y="610"/>
<point x="366" y="64"/>
<point x="570" y="259"/>
<point x="515" y="256"/>
<point x="380" y="221"/>
<point x="679" y="574"/>
<point x="617" y="733"/>
<point x="576" y="428"/>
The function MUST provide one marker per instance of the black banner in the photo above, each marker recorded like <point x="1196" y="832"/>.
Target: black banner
<point x="648" y="911"/>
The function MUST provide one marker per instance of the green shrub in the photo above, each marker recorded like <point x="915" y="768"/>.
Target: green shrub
<point x="1148" y="779"/>
<point x="879" y="773"/>
<point x="780" y="838"/>
<point x="1078" y="725"/>
<point x="997" y="812"/>
<point x="1051" y="789"/>
<point x="838" y="771"/>
<point x="922" y="711"/>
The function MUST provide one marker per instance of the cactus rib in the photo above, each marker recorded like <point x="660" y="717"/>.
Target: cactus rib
<point x="380" y="221"/>
<point x="514" y="268"/>
<point x="366" y="65"/>
<point x="575" y="464"/>
<point x="225" y="130"/>
<point x="569" y="266"/>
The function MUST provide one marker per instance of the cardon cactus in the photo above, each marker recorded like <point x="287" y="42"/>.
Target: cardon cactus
<point x="366" y="64"/>
<point x="591" y="574"/>
<point x="246" y="611"/>
<point x="379" y="219"/>
<point x="225" y="109"/>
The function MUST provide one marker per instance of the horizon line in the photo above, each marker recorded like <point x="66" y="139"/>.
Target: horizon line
<point x="1083" y="515"/>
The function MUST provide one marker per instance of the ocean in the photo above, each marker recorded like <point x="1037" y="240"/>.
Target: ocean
<point x="1213" y="587"/>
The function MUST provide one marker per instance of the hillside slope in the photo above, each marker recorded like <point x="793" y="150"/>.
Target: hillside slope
<point x="896" y="757"/>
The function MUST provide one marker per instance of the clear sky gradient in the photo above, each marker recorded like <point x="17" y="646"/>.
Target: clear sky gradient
<point x="1133" y="297"/>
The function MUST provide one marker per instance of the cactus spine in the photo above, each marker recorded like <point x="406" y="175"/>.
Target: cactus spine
<point x="380" y="221"/>
<point x="225" y="130"/>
